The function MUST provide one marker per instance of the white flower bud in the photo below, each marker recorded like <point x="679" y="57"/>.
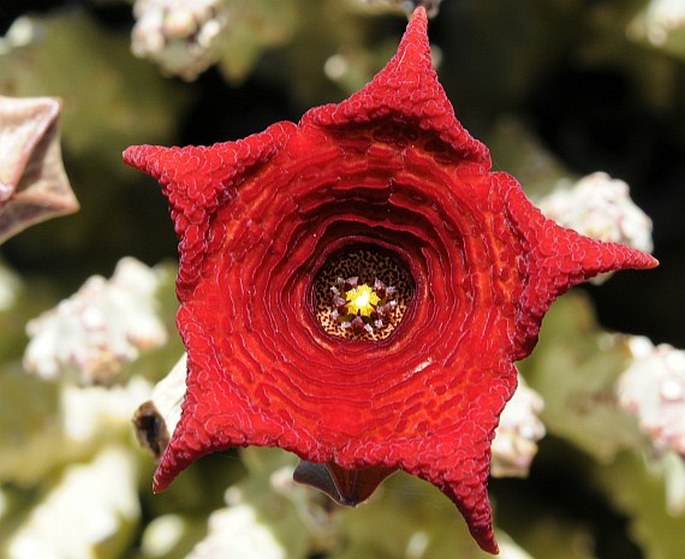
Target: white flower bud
<point x="516" y="437"/>
<point x="9" y="286"/>
<point x="162" y="534"/>
<point x="180" y="35"/>
<point x="652" y="389"/>
<point x="99" y="328"/>
<point x="658" y="20"/>
<point x="237" y="532"/>
<point x="87" y="508"/>
<point x="93" y="412"/>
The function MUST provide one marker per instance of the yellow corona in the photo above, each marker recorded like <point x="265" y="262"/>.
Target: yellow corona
<point x="361" y="300"/>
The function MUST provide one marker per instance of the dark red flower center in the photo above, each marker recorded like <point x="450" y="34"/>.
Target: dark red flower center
<point x="361" y="293"/>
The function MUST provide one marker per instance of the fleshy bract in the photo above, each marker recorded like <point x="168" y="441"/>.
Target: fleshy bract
<point x="439" y="273"/>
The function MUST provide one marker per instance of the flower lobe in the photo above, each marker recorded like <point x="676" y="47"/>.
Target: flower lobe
<point x="391" y="172"/>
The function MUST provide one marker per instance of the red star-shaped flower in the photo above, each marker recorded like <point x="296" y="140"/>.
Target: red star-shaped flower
<point x="356" y="288"/>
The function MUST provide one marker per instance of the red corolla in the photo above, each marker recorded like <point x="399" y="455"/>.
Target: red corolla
<point x="355" y="289"/>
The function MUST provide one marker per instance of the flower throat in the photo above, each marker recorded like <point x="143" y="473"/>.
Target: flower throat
<point x="361" y="294"/>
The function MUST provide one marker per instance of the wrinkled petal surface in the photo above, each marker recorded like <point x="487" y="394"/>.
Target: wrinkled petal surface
<point x="390" y="167"/>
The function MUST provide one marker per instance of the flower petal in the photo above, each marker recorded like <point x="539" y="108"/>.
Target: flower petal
<point x="197" y="180"/>
<point x="555" y="260"/>
<point x="403" y="99"/>
<point x="389" y="171"/>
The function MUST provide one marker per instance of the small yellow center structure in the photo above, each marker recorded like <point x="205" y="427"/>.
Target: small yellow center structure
<point x="361" y="300"/>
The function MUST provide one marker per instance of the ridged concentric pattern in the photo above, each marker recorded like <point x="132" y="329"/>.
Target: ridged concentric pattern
<point x="390" y="167"/>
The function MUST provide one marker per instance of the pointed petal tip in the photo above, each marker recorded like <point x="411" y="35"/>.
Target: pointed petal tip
<point x="132" y="154"/>
<point x="419" y="16"/>
<point x="630" y="258"/>
<point x="145" y="158"/>
<point x="162" y="477"/>
<point x="651" y="262"/>
<point x="578" y="256"/>
<point x="415" y="35"/>
<point x="170" y="465"/>
<point x="406" y="92"/>
<point x="602" y="257"/>
<point x="486" y="541"/>
<point x="484" y="535"/>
